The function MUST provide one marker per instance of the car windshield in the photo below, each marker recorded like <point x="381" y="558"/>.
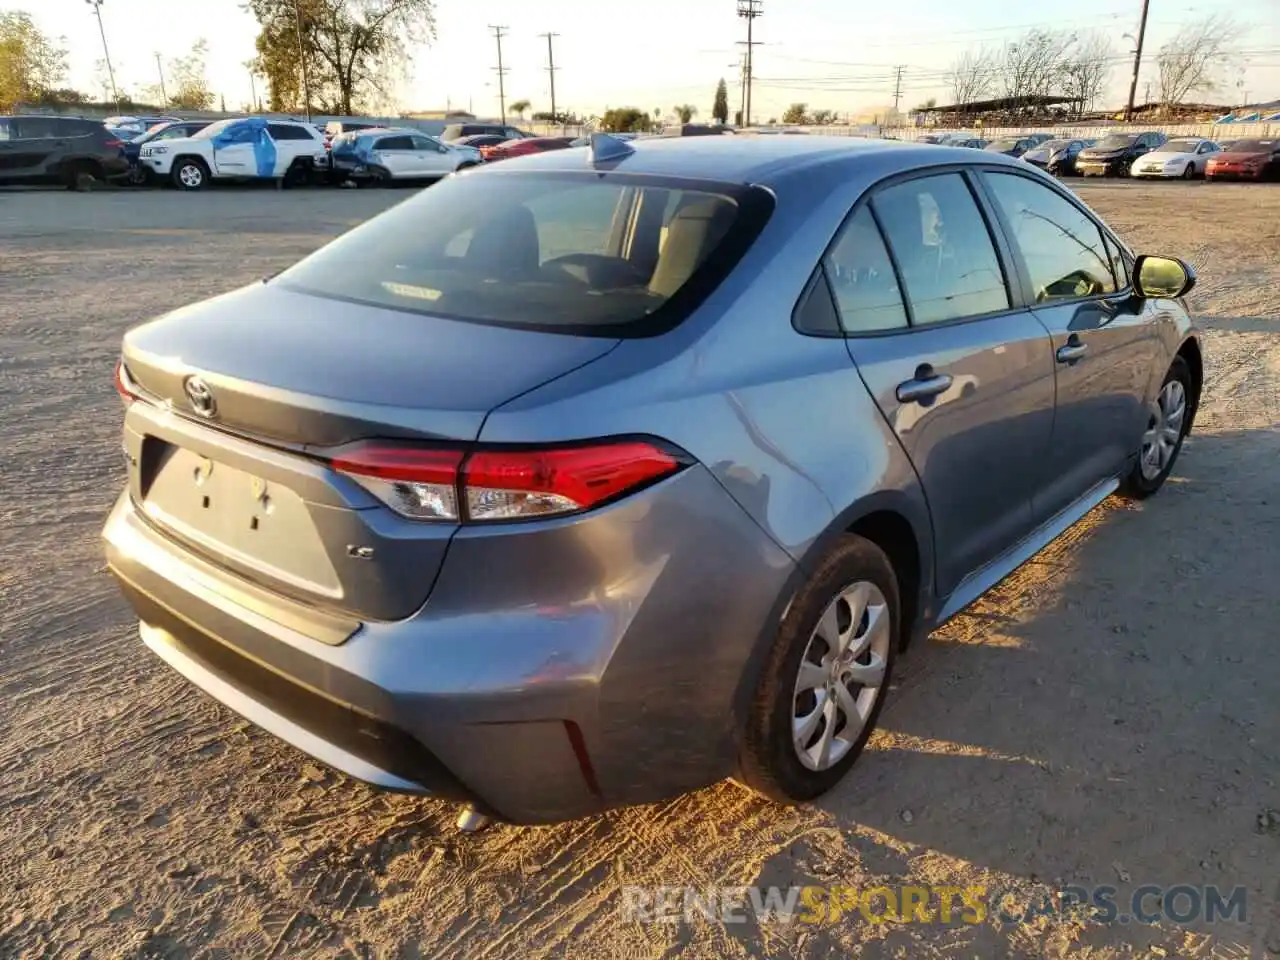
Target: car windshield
<point x="1003" y="144"/>
<point x="1181" y="146"/>
<point x="213" y="129"/>
<point x="1253" y="146"/>
<point x="1117" y="141"/>
<point x="562" y="251"/>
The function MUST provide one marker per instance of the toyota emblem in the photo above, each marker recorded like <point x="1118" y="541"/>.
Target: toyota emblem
<point x="201" y="397"/>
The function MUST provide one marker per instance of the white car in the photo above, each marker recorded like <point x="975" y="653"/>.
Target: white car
<point x="237" y="149"/>
<point x="1185" y="158"/>
<point x="397" y="153"/>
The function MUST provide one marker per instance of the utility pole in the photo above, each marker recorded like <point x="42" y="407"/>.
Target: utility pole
<point x="253" y="93"/>
<point x="163" y="96"/>
<point x="897" y="87"/>
<point x="498" y="33"/>
<point x="302" y="58"/>
<point x="1137" y="61"/>
<point x="749" y="10"/>
<point x="97" y="8"/>
<point x="551" y="71"/>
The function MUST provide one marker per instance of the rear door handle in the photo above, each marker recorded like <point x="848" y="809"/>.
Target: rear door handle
<point x="925" y="386"/>
<point x="1072" y="350"/>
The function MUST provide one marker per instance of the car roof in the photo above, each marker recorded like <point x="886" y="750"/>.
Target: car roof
<point x="759" y="160"/>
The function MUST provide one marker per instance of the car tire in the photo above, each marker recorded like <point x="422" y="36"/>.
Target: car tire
<point x="1176" y="392"/>
<point x="189" y="173"/>
<point x="1190" y="172"/>
<point x="138" y="175"/>
<point x="297" y="175"/>
<point x="82" y="176"/>
<point x="380" y="177"/>
<point x="772" y="743"/>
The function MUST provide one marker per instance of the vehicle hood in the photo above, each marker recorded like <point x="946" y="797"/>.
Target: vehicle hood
<point x="311" y="370"/>
<point x="1239" y="157"/>
<point x="1166" y="157"/>
<point x="1093" y="153"/>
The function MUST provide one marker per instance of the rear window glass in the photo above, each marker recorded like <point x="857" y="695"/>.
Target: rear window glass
<point x="575" y="252"/>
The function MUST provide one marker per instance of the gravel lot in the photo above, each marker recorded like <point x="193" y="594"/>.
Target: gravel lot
<point x="1109" y="716"/>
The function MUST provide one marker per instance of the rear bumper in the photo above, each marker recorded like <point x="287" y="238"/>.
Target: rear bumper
<point x="557" y="670"/>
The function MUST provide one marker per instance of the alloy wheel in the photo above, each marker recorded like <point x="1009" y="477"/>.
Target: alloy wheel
<point x="841" y="675"/>
<point x="191" y="175"/>
<point x="1164" y="429"/>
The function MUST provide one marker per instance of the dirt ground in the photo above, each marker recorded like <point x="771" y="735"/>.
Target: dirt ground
<point x="1110" y="715"/>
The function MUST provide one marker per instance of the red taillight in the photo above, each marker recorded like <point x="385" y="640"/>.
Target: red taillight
<point x="493" y="485"/>
<point x="124" y="386"/>
<point x="115" y="143"/>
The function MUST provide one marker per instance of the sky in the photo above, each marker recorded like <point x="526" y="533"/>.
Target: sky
<point x="831" y="54"/>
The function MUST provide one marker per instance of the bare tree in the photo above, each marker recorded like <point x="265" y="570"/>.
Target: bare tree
<point x="1086" y="69"/>
<point x="1031" y="65"/>
<point x="972" y="76"/>
<point x="1195" y="58"/>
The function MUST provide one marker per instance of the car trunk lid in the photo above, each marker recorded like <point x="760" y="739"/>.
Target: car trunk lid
<point x="249" y="395"/>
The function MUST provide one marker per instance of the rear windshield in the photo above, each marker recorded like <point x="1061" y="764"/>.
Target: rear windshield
<point x="1007" y="143"/>
<point x="1253" y="146"/>
<point x="600" y="255"/>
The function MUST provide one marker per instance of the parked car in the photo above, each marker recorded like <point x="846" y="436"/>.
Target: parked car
<point x="1113" y="155"/>
<point x="1010" y="146"/>
<point x="1039" y="138"/>
<point x="973" y="143"/>
<point x="515" y="494"/>
<point x="1185" y="157"/>
<point x="242" y="148"/>
<point x="524" y="147"/>
<point x="1057" y="157"/>
<point x="383" y="155"/>
<point x="173" y="130"/>
<point x="65" y="150"/>
<point x="456" y="131"/>
<point x="134" y="125"/>
<point x="1246" y="160"/>
<point x="698" y="130"/>
<point x="482" y="140"/>
<point x="586" y="141"/>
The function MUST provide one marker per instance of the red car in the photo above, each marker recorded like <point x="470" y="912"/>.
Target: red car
<point x="1246" y="160"/>
<point x="526" y="145"/>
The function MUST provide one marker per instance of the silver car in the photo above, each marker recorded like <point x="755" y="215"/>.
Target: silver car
<point x="598" y="476"/>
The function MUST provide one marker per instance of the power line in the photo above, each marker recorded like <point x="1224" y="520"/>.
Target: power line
<point x="498" y="33"/>
<point x="749" y="10"/>
<point x="551" y="71"/>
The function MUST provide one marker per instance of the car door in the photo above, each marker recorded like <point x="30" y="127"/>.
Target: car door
<point x="1104" y="345"/>
<point x="431" y="158"/>
<point x="395" y="155"/>
<point x="964" y="378"/>
<point x="34" y="147"/>
<point x="233" y="154"/>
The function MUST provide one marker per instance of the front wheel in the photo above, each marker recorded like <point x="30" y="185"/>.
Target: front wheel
<point x="1168" y="422"/>
<point x="824" y="679"/>
<point x="190" y="173"/>
<point x="1190" y="172"/>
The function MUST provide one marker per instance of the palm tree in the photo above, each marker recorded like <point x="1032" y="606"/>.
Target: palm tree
<point x="685" y="111"/>
<point x="520" y="106"/>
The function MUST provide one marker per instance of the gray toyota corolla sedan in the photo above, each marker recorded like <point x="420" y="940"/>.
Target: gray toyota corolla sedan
<point x="601" y="475"/>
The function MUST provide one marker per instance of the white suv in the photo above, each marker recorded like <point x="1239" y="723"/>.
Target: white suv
<point x="242" y="148"/>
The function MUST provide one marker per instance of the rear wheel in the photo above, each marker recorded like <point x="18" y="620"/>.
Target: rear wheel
<point x="190" y="173"/>
<point x="824" y="680"/>
<point x="1168" y="422"/>
<point x="297" y="175"/>
<point x="83" y="176"/>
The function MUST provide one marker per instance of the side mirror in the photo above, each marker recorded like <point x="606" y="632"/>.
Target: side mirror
<point x="1162" y="277"/>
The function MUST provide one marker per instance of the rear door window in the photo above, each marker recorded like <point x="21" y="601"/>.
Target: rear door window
<point x="609" y="256"/>
<point x="862" y="278"/>
<point x="394" y="143"/>
<point x="287" y="131"/>
<point x="944" y="252"/>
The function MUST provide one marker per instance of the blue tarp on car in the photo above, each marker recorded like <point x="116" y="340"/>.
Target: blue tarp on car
<point x="252" y="130"/>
